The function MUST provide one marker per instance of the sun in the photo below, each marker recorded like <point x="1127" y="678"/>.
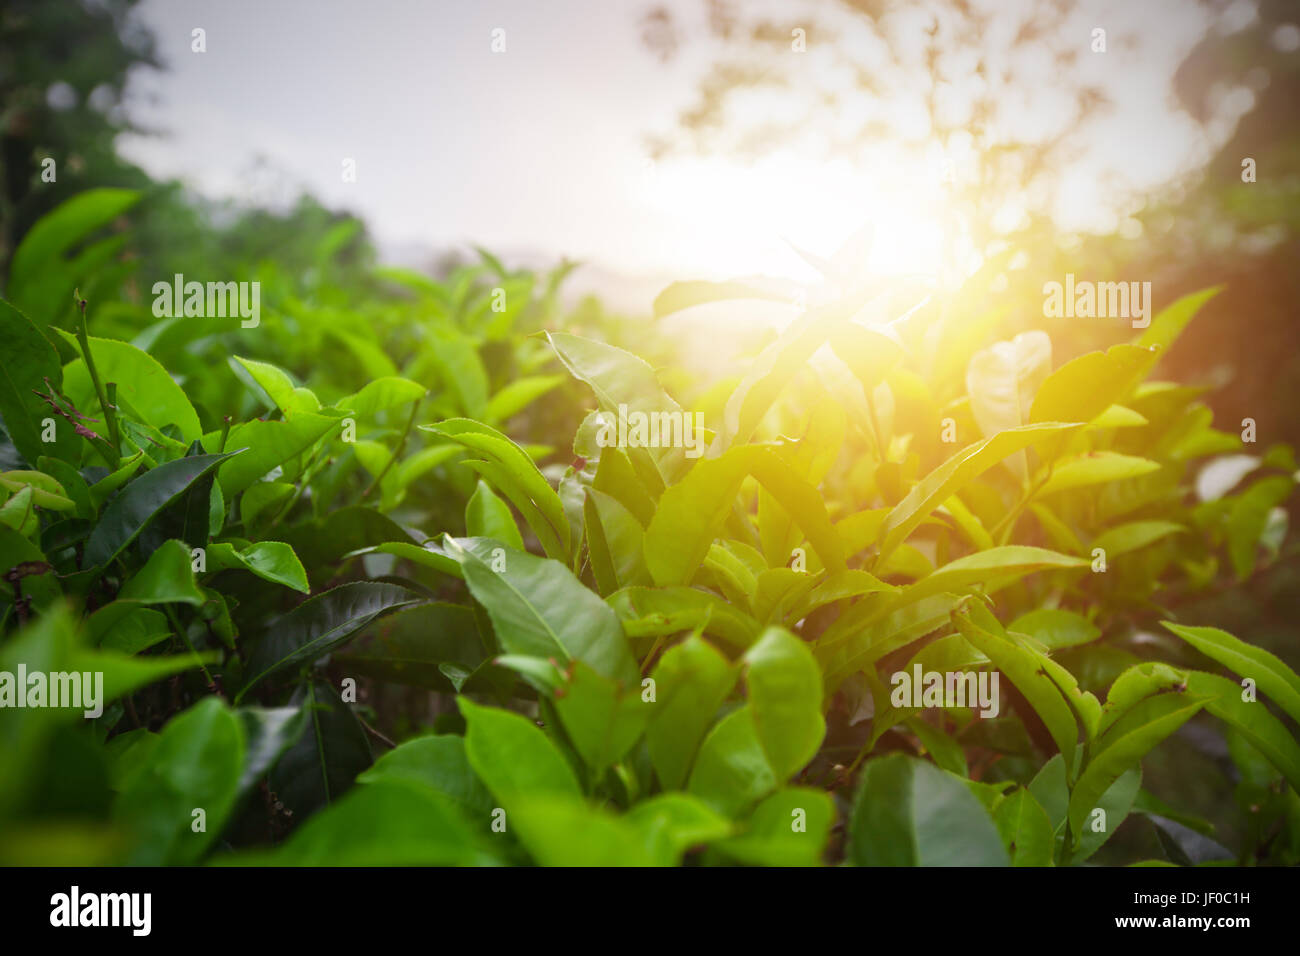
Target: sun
<point x="771" y="216"/>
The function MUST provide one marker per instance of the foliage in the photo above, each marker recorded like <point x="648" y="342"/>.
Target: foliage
<point x="270" y="540"/>
<point x="64" y="66"/>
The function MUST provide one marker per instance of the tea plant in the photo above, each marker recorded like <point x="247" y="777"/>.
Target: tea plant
<point x="269" y="541"/>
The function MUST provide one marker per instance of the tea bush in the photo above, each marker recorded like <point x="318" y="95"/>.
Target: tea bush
<point x="284" y="545"/>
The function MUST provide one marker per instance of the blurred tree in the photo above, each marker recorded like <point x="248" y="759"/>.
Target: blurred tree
<point x="946" y="82"/>
<point x="1245" y="234"/>
<point x="63" y="68"/>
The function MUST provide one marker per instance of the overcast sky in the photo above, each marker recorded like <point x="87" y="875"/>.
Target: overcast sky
<point x="541" y="148"/>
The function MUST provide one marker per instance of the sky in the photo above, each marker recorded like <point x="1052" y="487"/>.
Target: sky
<point x="540" y="150"/>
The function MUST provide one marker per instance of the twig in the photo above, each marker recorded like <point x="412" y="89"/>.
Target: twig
<point x="184" y="636"/>
<point x="401" y="446"/>
<point x="375" y="732"/>
<point x="110" y="416"/>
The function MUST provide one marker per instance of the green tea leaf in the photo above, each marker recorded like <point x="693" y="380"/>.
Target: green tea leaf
<point x="1025" y="829"/>
<point x="1086" y="386"/>
<point x="513" y="758"/>
<point x="388" y="823"/>
<point x="692" y="513"/>
<point x="559" y="831"/>
<point x="1121" y="748"/>
<point x="415" y="645"/>
<point x="789" y="828"/>
<point x="1248" y="518"/>
<point x="538" y="608"/>
<point x="196" y="764"/>
<point x="655" y="612"/>
<point x="268" y="445"/>
<point x="41" y="276"/>
<point x="487" y="516"/>
<point x="615" y="540"/>
<point x="910" y="813"/>
<point x="1264" y="731"/>
<point x="320" y="766"/>
<point x="624" y="385"/>
<point x="128" y="514"/>
<point x="1134" y="535"/>
<point x="144" y="389"/>
<point x="691" y="682"/>
<point x="602" y="718"/>
<point x="1097" y="468"/>
<point x="953" y="475"/>
<point x="270" y="560"/>
<point x="269" y="732"/>
<point x="440" y="763"/>
<point x="993" y="569"/>
<point x="1056" y="628"/>
<point x="1001" y="381"/>
<point x="672" y="823"/>
<point x="167" y="577"/>
<point x="1024" y="669"/>
<point x="271" y="380"/>
<point x="1270" y="674"/>
<point x="731" y="772"/>
<point x="785" y="697"/>
<point x="513" y="472"/>
<point x="382" y="394"/>
<point x="30" y="359"/>
<point x="1116" y="803"/>
<point x="519" y="394"/>
<point x="320" y="624"/>
<point x="684" y="295"/>
<point x="1170" y="321"/>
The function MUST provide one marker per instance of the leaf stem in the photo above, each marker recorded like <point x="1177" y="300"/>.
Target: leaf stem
<point x="184" y="636"/>
<point x="397" y="453"/>
<point x="1004" y="528"/>
<point x="105" y="402"/>
<point x="225" y="433"/>
<point x="304" y="479"/>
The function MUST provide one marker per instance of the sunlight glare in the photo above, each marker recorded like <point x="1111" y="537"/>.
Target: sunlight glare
<point x="758" y="212"/>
